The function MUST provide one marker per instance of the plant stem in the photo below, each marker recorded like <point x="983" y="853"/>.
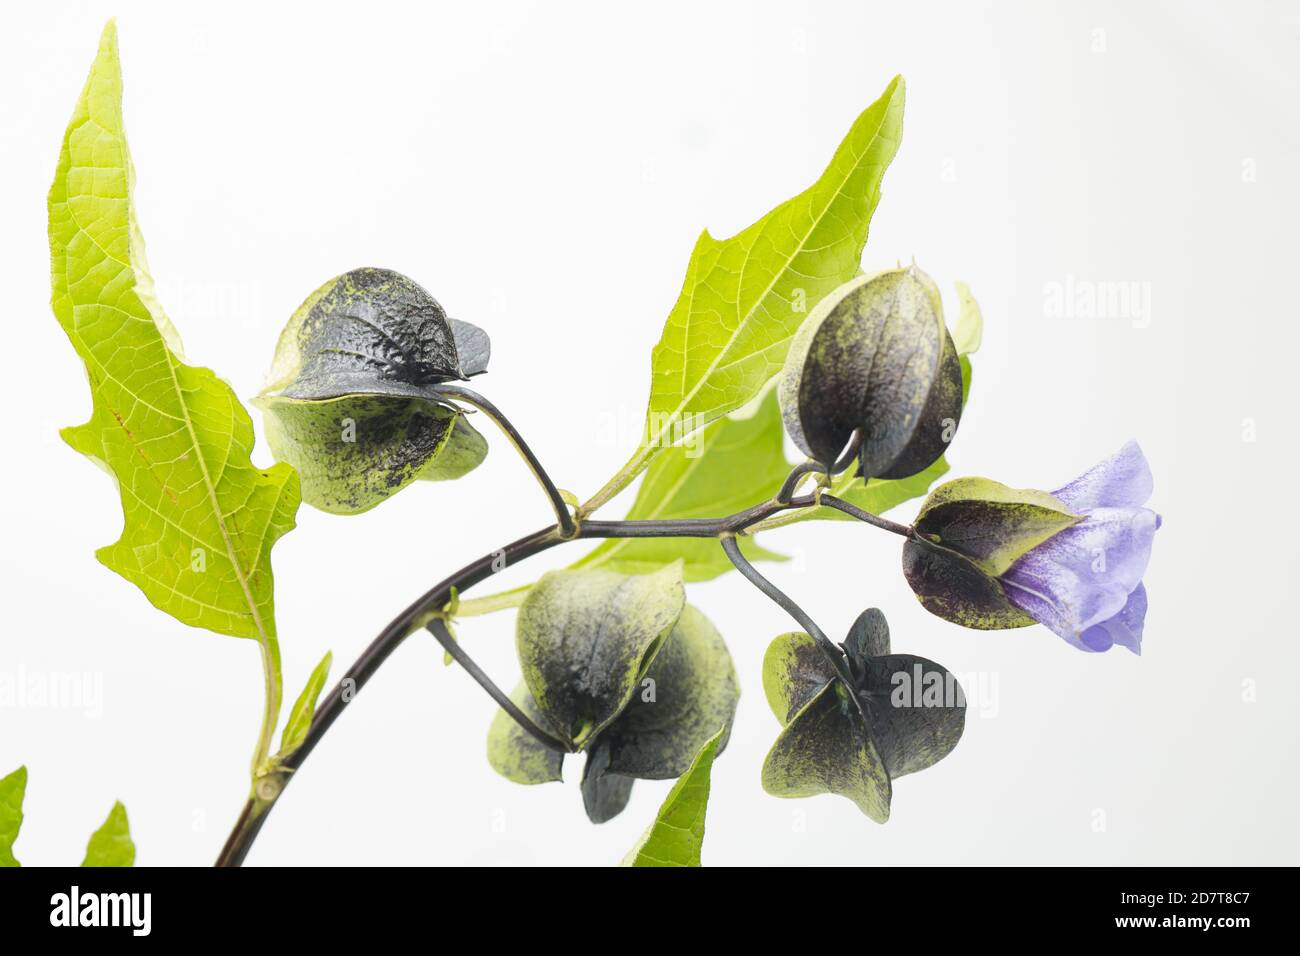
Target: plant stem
<point x="796" y="476"/>
<point x="626" y="475"/>
<point x="834" y="656"/>
<point x="333" y="704"/>
<point x="471" y="397"/>
<point x="838" y="504"/>
<point x="438" y="627"/>
<point x="271" y="705"/>
<point x="422" y="611"/>
<point x="491" y="603"/>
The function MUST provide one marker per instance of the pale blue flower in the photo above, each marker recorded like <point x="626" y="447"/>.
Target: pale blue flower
<point x="1085" y="583"/>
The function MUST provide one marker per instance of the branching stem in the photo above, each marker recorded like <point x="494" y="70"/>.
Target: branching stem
<point x="438" y="628"/>
<point x="834" y="656"/>
<point x="425" y="612"/>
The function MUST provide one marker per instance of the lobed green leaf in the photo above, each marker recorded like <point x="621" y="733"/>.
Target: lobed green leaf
<point x="199" y="518"/>
<point x="745" y="297"/>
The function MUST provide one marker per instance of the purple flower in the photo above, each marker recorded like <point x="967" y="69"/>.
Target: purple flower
<point x="1085" y="583"/>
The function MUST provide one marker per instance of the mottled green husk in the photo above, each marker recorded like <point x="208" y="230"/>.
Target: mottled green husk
<point x="684" y="689"/>
<point x="830" y="745"/>
<point x="876" y="357"/>
<point x="357" y="451"/>
<point x="968" y="533"/>
<point x="352" y="401"/>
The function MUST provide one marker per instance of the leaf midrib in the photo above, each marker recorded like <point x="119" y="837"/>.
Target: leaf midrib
<point x="744" y="322"/>
<point x="218" y="516"/>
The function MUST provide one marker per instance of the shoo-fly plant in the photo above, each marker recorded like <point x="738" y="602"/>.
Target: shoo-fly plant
<point x="368" y="393"/>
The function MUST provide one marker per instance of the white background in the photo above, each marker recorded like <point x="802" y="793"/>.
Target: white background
<point x="544" y="171"/>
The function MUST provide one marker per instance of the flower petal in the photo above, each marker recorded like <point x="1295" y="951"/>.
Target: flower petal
<point x="1125" y="628"/>
<point x="1121" y="481"/>
<point x="1084" y="575"/>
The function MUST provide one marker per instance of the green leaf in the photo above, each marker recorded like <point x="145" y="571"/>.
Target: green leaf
<point x="745" y="297"/>
<point x="677" y="834"/>
<point x="111" y="844"/>
<point x="12" y="789"/>
<point x="200" y="519"/>
<point x="295" y="729"/>
<point x="585" y="638"/>
<point x="352" y="402"/>
<point x="731" y="465"/>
